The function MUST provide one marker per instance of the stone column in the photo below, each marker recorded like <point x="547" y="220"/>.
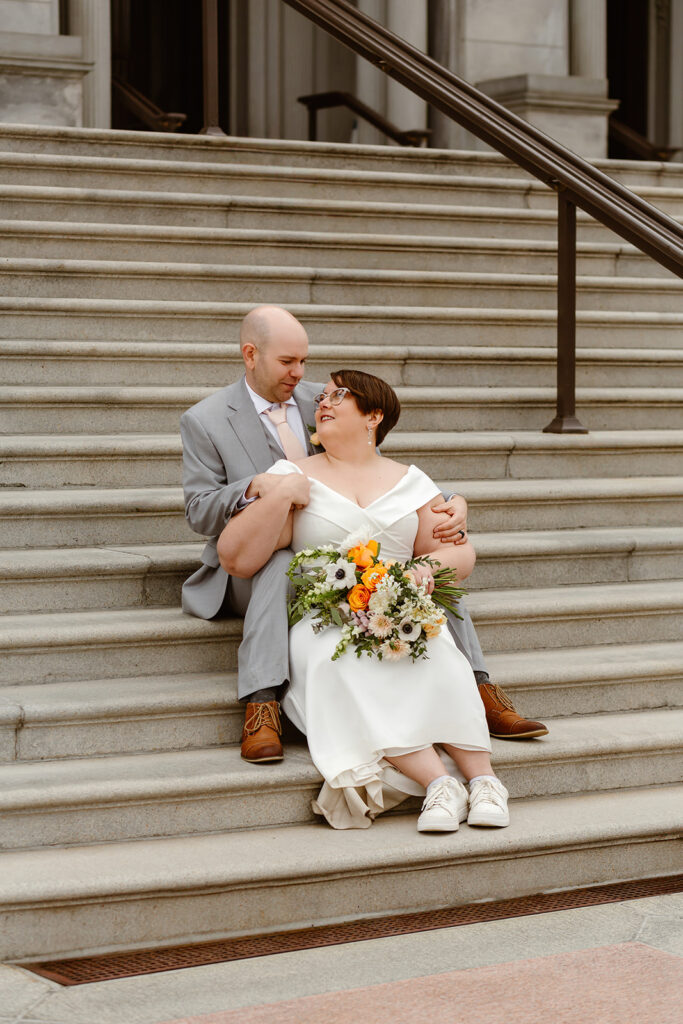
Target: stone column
<point x="41" y="71"/>
<point x="588" y="38"/>
<point x="91" y="20"/>
<point x="408" y="19"/>
<point x="676" y="112"/>
<point x="371" y="83"/>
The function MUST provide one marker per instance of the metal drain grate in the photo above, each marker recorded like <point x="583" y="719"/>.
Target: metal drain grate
<point x="84" y="970"/>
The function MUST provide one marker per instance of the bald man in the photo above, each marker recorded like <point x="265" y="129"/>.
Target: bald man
<point x="230" y="440"/>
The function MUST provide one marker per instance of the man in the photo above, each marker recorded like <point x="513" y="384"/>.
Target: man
<point x="230" y="440"/>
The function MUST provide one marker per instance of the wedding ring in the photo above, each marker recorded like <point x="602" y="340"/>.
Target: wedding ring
<point x="462" y="533"/>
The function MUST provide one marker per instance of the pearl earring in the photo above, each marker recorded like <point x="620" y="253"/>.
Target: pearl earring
<point x="370" y="435"/>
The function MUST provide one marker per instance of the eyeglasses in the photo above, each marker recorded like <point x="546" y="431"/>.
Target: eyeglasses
<point x="334" y="397"/>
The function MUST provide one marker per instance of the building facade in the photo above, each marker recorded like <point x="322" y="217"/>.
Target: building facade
<point x="566" y="65"/>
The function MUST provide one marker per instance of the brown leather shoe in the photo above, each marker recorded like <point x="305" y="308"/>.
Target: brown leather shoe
<point x="502" y="719"/>
<point x="261" y="733"/>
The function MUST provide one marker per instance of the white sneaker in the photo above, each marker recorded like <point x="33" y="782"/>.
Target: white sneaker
<point x="489" y="804"/>
<point x="445" y="806"/>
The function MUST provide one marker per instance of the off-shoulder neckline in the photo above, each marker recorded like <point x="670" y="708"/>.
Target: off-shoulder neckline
<point x="344" y="497"/>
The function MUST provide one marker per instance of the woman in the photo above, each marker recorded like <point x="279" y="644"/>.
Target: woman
<point x="372" y="725"/>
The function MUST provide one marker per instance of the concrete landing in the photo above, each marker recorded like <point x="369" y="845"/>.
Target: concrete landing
<point x="618" y="963"/>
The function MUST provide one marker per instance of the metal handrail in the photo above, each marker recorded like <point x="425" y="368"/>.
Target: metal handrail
<point x="576" y="181"/>
<point x="145" y="109"/>
<point x="636" y="143"/>
<point x="324" y="100"/>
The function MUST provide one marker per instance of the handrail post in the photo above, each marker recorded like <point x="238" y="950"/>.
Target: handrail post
<point x="210" y="77"/>
<point x="312" y="123"/>
<point x="565" y="421"/>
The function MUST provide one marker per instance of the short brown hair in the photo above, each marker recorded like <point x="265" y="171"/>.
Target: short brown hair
<point x="372" y="394"/>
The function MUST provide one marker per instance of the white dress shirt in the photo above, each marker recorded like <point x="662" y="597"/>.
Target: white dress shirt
<point x="293" y="420"/>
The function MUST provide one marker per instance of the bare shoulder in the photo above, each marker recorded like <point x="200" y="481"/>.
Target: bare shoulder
<point x="308" y="465"/>
<point x="395" y="470"/>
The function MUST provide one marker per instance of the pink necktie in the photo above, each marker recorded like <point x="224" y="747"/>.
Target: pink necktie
<point x="291" y="445"/>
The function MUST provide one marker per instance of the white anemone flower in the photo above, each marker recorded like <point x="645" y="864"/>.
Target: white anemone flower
<point x="341" y="575"/>
<point x="408" y="630"/>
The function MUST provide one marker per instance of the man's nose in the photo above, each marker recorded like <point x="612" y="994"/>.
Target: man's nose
<point x="297" y="371"/>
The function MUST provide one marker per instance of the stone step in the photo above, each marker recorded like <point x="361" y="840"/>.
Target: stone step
<point x="190" y="322"/>
<point x="140" y="460"/>
<point x="69" y="646"/>
<point x="295" y="182"/>
<point x="551" y="617"/>
<point x="104" y="410"/>
<point x="111" y="799"/>
<point x="152" y="515"/>
<point x="105" y="363"/>
<point x="144" y="281"/>
<point x="60" y="646"/>
<point x="590" y="680"/>
<point x="551" y="558"/>
<point x="496" y="505"/>
<point x="292" y="153"/>
<point x="71" y="901"/>
<point x="191" y="210"/>
<point x="94" y="516"/>
<point x="91" y="718"/>
<point x="59" y="240"/>
<point x="67" y="579"/>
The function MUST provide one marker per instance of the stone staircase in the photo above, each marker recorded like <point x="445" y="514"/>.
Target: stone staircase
<point x="127" y="817"/>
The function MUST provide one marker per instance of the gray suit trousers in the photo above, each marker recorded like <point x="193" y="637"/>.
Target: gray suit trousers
<point x="263" y="656"/>
<point x="466" y="639"/>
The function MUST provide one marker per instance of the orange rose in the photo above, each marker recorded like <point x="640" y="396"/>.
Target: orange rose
<point x="373" y="575"/>
<point x="358" y="597"/>
<point x="364" y="554"/>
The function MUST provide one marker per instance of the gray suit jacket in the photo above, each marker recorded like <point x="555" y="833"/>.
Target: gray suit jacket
<point x="225" y="445"/>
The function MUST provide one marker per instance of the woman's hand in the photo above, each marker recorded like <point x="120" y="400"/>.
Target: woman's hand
<point x="420" y="574"/>
<point x="298" y="488"/>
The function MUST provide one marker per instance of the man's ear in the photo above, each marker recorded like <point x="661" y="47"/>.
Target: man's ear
<point x="249" y="354"/>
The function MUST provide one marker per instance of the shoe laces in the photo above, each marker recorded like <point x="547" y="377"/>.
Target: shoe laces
<point x="485" y="792"/>
<point x="439" y="796"/>
<point x="264" y="714"/>
<point x="501" y="696"/>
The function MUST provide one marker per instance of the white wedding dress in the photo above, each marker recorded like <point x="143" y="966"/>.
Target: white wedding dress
<point x="354" y="711"/>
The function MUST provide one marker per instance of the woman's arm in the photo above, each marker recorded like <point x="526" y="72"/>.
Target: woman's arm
<point x="456" y="556"/>
<point x="252" y="535"/>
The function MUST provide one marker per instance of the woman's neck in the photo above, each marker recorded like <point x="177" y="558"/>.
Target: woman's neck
<point x="359" y="457"/>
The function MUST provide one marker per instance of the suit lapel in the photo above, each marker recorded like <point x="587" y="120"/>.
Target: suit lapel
<point x="307" y="409"/>
<point x="249" y="430"/>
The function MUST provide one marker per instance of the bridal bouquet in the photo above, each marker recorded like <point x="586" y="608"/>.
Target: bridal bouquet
<point x="377" y="603"/>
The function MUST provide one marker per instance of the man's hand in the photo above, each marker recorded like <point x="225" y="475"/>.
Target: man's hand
<point x="454" y="529"/>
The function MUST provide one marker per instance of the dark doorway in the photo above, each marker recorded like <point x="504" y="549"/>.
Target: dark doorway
<point x="157" y="49"/>
<point x="627" y="66"/>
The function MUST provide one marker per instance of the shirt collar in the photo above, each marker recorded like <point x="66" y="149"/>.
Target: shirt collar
<point x="262" y="404"/>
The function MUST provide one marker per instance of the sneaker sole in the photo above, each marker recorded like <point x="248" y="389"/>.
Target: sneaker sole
<point x="444" y="825"/>
<point x="489" y="820"/>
